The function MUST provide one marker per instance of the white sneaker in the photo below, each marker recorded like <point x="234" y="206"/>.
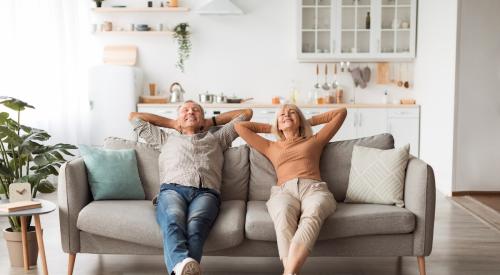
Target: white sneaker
<point x="188" y="266"/>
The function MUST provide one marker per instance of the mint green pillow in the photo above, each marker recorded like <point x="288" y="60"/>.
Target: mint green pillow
<point x="112" y="174"/>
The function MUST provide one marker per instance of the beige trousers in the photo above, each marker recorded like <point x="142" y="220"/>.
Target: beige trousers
<point x="298" y="209"/>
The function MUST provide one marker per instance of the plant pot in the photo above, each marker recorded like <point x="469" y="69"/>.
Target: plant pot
<point x="15" y="247"/>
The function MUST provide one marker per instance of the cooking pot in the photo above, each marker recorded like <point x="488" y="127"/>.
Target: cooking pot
<point x="206" y="98"/>
<point x="220" y="98"/>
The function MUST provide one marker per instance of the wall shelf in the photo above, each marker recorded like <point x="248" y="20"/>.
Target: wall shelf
<point x="135" y="32"/>
<point x="166" y="9"/>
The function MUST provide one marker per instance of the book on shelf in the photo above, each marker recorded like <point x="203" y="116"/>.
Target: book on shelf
<point x="19" y="205"/>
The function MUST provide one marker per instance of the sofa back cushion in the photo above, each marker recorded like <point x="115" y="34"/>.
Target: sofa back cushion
<point x="147" y="162"/>
<point x="335" y="165"/>
<point x="235" y="174"/>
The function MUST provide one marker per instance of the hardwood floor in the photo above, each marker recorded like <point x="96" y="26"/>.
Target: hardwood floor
<point x="492" y="201"/>
<point x="463" y="245"/>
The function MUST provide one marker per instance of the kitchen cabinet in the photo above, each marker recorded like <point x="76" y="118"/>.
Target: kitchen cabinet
<point x="402" y="122"/>
<point x="356" y="30"/>
<point x="404" y="125"/>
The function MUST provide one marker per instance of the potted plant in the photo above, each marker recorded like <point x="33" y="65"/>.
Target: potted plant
<point x="25" y="158"/>
<point x="182" y="35"/>
<point x="98" y="3"/>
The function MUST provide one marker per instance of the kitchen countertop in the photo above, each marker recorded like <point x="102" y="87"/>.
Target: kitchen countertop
<point x="266" y="105"/>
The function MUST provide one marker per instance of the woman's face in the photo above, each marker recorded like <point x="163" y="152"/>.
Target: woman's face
<point x="289" y="120"/>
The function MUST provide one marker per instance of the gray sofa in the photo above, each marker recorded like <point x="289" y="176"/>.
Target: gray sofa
<point x="244" y="227"/>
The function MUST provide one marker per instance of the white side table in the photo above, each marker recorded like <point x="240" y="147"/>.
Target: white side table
<point x="47" y="207"/>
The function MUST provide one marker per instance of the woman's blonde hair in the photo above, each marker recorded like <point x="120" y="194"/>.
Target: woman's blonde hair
<point x="305" y="129"/>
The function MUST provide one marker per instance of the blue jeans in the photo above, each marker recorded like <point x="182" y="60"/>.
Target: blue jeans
<point x="185" y="215"/>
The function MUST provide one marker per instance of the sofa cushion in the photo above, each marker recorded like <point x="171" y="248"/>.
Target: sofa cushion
<point x="235" y="174"/>
<point x="112" y="174"/>
<point x="335" y="165"/>
<point x="377" y="176"/>
<point x="347" y="221"/>
<point x="135" y="221"/>
<point x="147" y="162"/>
<point x="262" y="177"/>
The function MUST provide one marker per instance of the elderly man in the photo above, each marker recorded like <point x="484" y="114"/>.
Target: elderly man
<point x="191" y="163"/>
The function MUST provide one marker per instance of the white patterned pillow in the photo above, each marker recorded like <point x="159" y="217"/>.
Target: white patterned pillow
<point x="377" y="176"/>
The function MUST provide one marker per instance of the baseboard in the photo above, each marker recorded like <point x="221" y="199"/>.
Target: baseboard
<point x="472" y="193"/>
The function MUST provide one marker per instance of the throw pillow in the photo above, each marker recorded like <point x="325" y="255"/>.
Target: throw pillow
<point x="377" y="176"/>
<point x="112" y="174"/>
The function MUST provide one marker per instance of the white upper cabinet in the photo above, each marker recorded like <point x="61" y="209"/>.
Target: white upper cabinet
<point x="356" y="30"/>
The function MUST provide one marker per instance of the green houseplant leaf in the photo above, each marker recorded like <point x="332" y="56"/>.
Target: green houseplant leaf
<point x="24" y="156"/>
<point x="183" y="37"/>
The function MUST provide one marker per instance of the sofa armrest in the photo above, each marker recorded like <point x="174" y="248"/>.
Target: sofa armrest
<point x="73" y="194"/>
<point x="420" y="198"/>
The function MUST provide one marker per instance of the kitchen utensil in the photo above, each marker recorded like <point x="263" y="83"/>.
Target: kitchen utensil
<point x="176" y="92"/>
<point x="238" y="100"/>
<point x="357" y="78"/>
<point x="124" y="55"/>
<point x="406" y="84"/>
<point x="400" y="82"/>
<point x="366" y="74"/>
<point x="220" y="98"/>
<point x="335" y="84"/>
<point x="325" y="85"/>
<point x="206" y="98"/>
<point x="382" y="73"/>
<point x="392" y="72"/>
<point x="317" y="77"/>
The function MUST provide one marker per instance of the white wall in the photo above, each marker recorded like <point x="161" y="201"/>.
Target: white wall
<point x="435" y="83"/>
<point x="477" y="142"/>
<point x="253" y="55"/>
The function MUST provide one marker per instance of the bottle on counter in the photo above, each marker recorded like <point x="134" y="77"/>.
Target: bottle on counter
<point x="294" y="93"/>
<point x="339" y="96"/>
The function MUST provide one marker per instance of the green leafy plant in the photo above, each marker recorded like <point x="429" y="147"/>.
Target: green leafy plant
<point x="24" y="157"/>
<point x="182" y="35"/>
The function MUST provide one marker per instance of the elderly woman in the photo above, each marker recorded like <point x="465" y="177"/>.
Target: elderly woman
<point x="300" y="201"/>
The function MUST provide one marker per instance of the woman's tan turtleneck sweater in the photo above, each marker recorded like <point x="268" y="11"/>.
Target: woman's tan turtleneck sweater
<point x="297" y="157"/>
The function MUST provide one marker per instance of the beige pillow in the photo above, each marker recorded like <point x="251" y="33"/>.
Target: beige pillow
<point x="377" y="176"/>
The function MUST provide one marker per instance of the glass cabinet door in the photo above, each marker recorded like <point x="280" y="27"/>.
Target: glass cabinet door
<point x="316" y="27"/>
<point x="355" y="26"/>
<point x="395" y="26"/>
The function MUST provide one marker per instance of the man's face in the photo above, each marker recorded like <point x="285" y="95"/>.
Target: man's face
<point x="190" y="116"/>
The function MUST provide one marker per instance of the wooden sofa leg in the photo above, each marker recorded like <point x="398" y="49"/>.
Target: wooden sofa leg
<point x="421" y="264"/>
<point x="71" y="263"/>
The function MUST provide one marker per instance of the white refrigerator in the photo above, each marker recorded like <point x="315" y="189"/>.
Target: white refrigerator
<point x="113" y="93"/>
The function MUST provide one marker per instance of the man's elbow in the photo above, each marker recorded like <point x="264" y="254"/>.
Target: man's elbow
<point x="248" y="114"/>
<point x="132" y="116"/>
